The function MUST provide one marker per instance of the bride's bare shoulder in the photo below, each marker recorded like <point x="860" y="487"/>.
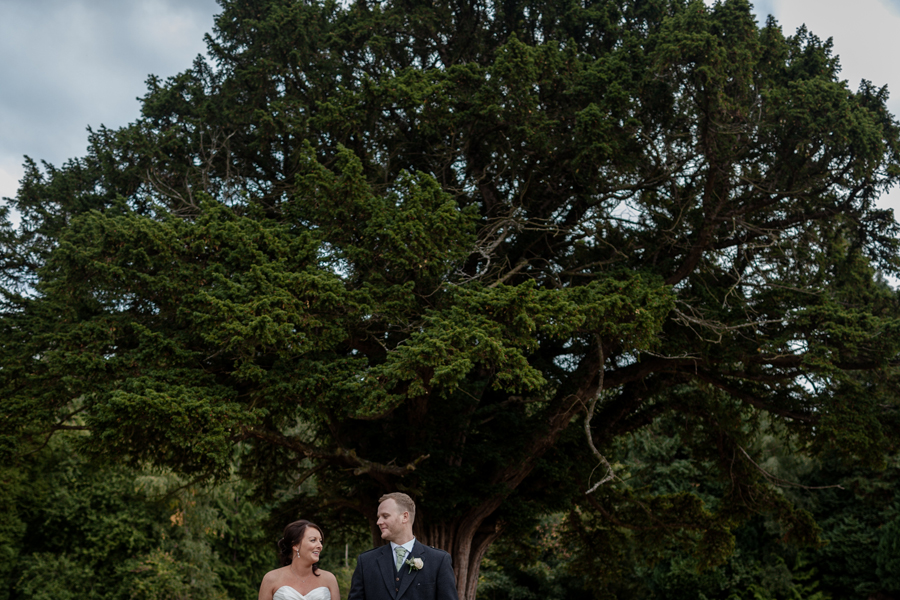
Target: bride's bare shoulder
<point x="327" y="575"/>
<point x="277" y="574"/>
<point x="328" y="580"/>
<point x="271" y="581"/>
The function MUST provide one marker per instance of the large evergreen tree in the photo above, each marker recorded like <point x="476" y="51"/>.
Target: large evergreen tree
<point x="413" y="245"/>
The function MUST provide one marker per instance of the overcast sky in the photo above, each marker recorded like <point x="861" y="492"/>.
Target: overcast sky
<point x="69" y="64"/>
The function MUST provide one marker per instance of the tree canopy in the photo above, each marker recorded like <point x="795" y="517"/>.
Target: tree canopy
<point x="413" y="245"/>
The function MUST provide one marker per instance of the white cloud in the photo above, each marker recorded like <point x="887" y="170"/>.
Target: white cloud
<point x="8" y="180"/>
<point x="68" y="64"/>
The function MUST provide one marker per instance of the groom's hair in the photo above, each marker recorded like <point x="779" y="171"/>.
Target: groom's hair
<point x="404" y="502"/>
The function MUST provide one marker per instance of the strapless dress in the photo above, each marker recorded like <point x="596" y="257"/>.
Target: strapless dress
<point x="286" y="592"/>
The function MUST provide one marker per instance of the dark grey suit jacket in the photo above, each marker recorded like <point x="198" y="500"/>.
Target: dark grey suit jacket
<point x="376" y="579"/>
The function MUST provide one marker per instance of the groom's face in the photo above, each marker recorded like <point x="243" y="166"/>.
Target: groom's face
<point x="393" y="522"/>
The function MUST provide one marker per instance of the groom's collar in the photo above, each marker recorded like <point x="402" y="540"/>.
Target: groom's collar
<point x="408" y="545"/>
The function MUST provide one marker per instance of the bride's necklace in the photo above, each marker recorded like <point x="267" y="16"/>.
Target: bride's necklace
<point x="302" y="579"/>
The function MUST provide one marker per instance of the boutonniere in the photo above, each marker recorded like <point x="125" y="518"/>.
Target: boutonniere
<point x="415" y="563"/>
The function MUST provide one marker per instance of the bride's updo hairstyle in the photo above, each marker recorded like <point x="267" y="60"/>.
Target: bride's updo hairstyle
<point x="293" y="535"/>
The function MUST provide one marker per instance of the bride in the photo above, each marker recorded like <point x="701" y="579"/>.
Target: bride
<point x="300" y="578"/>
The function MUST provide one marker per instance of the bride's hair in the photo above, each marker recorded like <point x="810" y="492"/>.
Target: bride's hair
<point x="293" y="533"/>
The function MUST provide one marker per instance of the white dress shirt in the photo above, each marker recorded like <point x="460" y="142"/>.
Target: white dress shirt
<point x="409" y="548"/>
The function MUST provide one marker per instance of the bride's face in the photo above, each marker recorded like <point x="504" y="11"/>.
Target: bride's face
<point x="310" y="545"/>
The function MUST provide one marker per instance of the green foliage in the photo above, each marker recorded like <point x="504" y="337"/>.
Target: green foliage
<point x="12" y="526"/>
<point x="853" y="520"/>
<point x="533" y="566"/>
<point x="652" y="553"/>
<point x="888" y="556"/>
<point x="92" y="531"/>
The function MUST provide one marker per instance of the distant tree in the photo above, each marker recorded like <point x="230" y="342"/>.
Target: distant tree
<point x="888" y="556"/>
<point x="855" y="507"/>
<point x="858" y="523"/>
<point x="12" y="526"/>
<point x="618" y="554"/>
<point x="428" y="245"/>
<point x="90" y="529"/>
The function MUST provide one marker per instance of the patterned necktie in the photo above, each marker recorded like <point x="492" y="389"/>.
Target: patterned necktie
<point x="401" y="552"/>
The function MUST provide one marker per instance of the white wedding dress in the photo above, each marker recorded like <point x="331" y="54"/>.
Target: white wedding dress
<point x="286" y="592"/>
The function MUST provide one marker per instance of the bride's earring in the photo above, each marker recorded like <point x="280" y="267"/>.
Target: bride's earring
<point x="298" y="552"/>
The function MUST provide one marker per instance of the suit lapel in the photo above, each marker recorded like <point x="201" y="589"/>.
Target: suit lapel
<point x="408" y="578"/>
<point x="386" y="566"/>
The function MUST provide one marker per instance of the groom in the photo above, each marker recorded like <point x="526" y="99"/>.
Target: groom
<point x="404" y="569"/>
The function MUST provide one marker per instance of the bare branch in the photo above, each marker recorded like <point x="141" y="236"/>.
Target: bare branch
<point x="782" y="482"/>
<point x="610" y="475"/>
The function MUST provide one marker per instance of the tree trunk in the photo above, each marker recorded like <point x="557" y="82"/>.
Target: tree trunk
<point x="467" y="540"/>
